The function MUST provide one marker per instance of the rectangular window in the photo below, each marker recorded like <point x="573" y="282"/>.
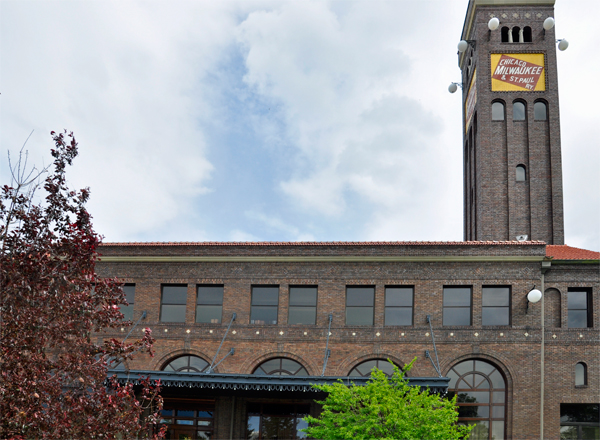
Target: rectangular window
<point x="359" y="305"/>
<point x="495" y="304"/>
<point x="127" y="311"/>
<point x="399" y="305"/>
<point x="303" y="305"/>
<point x="579" y="304"/>
<point x="172" y="303"/>
<point x="457" y="306"/>
<point x="209" y="304"/>
<point x="265" y="300"/>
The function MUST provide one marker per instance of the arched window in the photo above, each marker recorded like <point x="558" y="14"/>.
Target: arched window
<point x="497" y="111"/>
<point x="364" y="368"/>
<point x="521" y="173"/>
<point x="527" y="34"/>
<point x="187" y="364"/>
<point x="513" y="37"/>
<point x="481" y="397"/>
<point x="580" y="374"/>
<point x="539" y="111"/>
<point x="504" y="34"/>
<point x="281" y="367"/>
<point x="518" y="111"/>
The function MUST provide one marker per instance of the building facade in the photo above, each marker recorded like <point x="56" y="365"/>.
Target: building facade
<point x="243" y="329"/>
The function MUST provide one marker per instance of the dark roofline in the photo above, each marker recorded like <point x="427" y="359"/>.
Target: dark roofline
<point x="251" y="382"/>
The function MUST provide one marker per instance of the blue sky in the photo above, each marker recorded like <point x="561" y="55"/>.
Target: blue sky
<point x="271" y="120"/>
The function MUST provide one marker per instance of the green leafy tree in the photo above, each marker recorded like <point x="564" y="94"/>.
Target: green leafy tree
<point x="385" y="408"/>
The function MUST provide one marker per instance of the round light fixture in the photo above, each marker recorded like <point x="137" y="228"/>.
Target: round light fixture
<point x="563" y="44"/>
<point x="493" y="23"/>
<point x="549" y="23"/>
<point x="452" y="88"/>
<point x="534" y="296"/>
<point x="462" y="46"/>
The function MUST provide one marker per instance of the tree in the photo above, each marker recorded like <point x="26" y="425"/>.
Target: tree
<point x="385" y="408"/>
<point x="53" y="376"/>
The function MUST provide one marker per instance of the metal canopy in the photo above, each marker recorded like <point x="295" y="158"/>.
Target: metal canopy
<point x="253" y="382"/>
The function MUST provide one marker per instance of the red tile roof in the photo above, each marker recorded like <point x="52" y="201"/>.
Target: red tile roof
<point x="327" y="243"/>
<point x="564" y="252"/>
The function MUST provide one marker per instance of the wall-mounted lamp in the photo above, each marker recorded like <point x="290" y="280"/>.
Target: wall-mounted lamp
<point x="548" y="23"/>
<point x="463" y="45"/>
<point x="532" y="297"/>
<point x="453" y="87"/>
<point x="562" y="44"/>
<point x="493" y="23"/>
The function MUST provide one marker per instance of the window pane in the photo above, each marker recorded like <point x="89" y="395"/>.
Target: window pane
<point x="498" y="396"/>
<point x="359" y="316"/>
<point x="177" y="364"/>
<point x="497" y="111"/>
<point x="457" y="296"/>
<point x="360" y="296"/>
<point x="172" y="313"/>
<point x="265" y="296"/>
<point x="496" y="296"/>
<point x="497" y="380"/>
<point x="303" y="296"/>
<point x="498" y="429"/>
<point x="398" y="316"/>
<point x="210" y="295"/>
<point x="539" y="111"/>
<point x="577" y="319"/>
<point x="590" y="432"/>
<point x="457" y="316"/>
<point x="579" y="374"/>
<point x="495" y="316"/>
<point x="498" y="412"/>
<point x="127" y="312"/>
<point x="198" y="363"/>
<point x="174" y="294"/>
<point x="263" y="315"/>
<point x="209" y="314"/>
<point x="577" y="300"/>
<point x="521" y="175"/>
<point x="302" y="315"/>
<point x="129" y="291"/>
<point x="518" y="111"/>
<point x="399" y="296"/>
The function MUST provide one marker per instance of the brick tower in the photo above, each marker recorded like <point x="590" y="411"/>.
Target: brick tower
<point x="512" y="156"/>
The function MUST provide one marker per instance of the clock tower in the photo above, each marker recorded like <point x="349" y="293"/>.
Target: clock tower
<point x="511" y="124"/>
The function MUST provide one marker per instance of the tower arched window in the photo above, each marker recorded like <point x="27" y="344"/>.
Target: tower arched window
<point x="497" y="111"/>
<point x="521" y="173"/>
<point x="504" y="34"/>
<point x="281" y="367"/>
<point x="480" y="388"/>
<point x="187" y="364"/>
<point x="540" y="112"/>
<point x="527" y="34"/>
<point x="364" y="368"/>
<point x="513" y="37"/>
<point x="518" y="111"/>
<point x="580" y="374"/>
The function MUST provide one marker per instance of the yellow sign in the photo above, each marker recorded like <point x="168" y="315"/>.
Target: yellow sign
<point x="471" y="100"/>
<point x="522" y="72"/>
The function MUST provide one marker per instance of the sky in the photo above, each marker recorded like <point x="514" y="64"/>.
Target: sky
<point x="271" y="120"/>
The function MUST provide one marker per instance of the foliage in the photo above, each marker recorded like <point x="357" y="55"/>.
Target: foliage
<point x="53" y="377"/>
<point x="385" y="408"/>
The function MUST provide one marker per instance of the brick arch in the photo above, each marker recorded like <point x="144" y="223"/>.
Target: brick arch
<point x="552" y="307"/>
<point x="165" y="359"/>
<point x="350" y="363"/>
<point x="250" y="365"/>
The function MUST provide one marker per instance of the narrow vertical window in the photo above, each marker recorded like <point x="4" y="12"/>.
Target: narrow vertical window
<point x="514" y="35"/>
<point x="539" y="111"/>
<point x="521" y="173"/>
<point x="504" y="34"/>
<point x="457" y="306"/>
<point x="172" y="303"/>
<point x="527" y="34"/>
<point x="127" y="311"/>
<point x="518" y="111"/>
<point x="265" y="300"/>
<point x="399" y="305"/>
<point x="359" y="305"/>
<point x="495" y="305"/>
<point x="497" y="111"/>
<point x="580" y="374"/>
<point x="303" y="305"/>
<point x="579" y="308"/>
<point x="209" y="304"/>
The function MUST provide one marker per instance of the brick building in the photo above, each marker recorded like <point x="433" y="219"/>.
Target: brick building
<point x="312" y="312"/>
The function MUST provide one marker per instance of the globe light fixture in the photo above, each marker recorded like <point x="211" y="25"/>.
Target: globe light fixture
<point x="562" y="44"/>
<point x="548" y="23"/>
<point x="494" y="23"/>
<point x="463" y="46"/>
<point x="534" y="296"/>
<point x="453" y="87"/>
